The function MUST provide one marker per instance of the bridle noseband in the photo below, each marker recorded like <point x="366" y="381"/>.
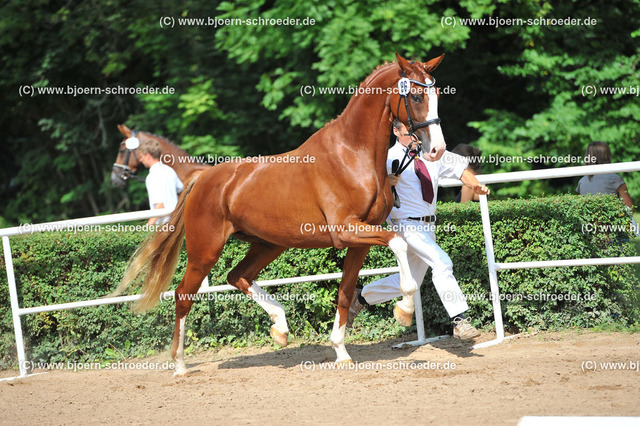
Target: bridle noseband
<point x="132" y="144"/>
<point x="404" y="89"/>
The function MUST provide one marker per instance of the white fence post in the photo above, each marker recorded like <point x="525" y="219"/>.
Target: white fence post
<point x="15" y="306"/>
<point x="493" y="275"/>
<point x="417" y="303"/>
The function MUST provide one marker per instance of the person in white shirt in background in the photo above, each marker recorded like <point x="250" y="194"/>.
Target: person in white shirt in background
<point x="414" y="220"/>
<point x="163" y="185"/>
<point x="611" y="183"/>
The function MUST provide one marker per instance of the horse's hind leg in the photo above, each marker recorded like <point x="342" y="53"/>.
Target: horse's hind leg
<point x="243" y="278"/>
<point x="352" y="263"/>
<point x="198" y="267"/>
<point x="204" y="246"/>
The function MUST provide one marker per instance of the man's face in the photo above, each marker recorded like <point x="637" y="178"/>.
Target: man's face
<point x="402" y="135"/>
<point x="146" y="159"/>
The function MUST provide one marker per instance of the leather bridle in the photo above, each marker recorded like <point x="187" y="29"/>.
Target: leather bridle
<point x="132" y="145"/>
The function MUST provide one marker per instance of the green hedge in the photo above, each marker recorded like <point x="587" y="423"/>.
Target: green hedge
<point x="63" y="267"/>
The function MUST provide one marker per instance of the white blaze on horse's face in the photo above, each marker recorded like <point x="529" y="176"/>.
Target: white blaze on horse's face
<point x="437" y="146"/>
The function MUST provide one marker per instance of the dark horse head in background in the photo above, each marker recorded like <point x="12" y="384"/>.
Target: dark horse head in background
<point x="127" y="163"/>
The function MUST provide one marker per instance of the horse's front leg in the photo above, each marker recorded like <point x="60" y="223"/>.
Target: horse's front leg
<point x="352" y="263"/>
<point x="366" y="236"/>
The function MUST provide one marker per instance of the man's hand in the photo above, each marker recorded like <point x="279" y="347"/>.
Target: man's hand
<point x="393" y="180"/>
<point x="481" y="189"/>
<point x="153" y="220"/>
<point x="469" y="180"/>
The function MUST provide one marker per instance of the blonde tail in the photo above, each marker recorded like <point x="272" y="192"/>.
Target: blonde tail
<point x="157" y="258"/>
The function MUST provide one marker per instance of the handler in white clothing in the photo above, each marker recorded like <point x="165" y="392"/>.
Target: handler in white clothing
<point x="163" y="184"/>
<point x="414" y="220"/>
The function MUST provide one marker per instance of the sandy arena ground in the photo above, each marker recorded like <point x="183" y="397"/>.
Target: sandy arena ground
<point x="548" y="374"/>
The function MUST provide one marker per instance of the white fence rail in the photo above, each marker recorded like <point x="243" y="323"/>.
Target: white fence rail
<point x="17" y="311"/>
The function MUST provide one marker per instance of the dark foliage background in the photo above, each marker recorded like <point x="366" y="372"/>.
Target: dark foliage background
<point x="237" y="87"/>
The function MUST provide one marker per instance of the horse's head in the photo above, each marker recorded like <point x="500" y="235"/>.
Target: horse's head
<point x="415" y="104"/>
<point x="127" y="163"/>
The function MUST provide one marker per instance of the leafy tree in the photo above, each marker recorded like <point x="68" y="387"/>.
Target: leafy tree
<point x="555" y="65"/>
<point x="236" y="89"/>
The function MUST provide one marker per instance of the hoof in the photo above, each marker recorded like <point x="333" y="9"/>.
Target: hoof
<point x="279" y="337"/>
<point x="181" y="373"/>
<point x="345" y="361"/>
<point x="180" y="367"/>
<point x="403" y="318"/>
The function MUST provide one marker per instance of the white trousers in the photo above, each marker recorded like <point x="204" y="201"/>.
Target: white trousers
<point x="423" y="253"/>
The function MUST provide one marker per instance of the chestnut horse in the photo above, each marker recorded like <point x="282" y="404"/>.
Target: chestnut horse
<point x="339" y="200"/>
<point x="127" y="164"/>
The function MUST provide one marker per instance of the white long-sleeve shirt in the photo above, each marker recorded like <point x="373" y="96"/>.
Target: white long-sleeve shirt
<point x="409" y="187"/>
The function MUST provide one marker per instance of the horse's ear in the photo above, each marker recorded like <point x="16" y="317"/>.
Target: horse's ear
<point x="430" y="66"/>
<point x="405" y="66"/>
<point x="124" y="130"/>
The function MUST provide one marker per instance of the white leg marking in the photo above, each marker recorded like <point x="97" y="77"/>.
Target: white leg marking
<point x="407" y="283"/>
<point x="181" y="367"/>
<point x="271" y="306"/>
<point x="337" y="340"/>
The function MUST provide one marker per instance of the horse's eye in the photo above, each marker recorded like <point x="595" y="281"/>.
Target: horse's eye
<point x="121" y="150"/>
<point x="415" y="98"/>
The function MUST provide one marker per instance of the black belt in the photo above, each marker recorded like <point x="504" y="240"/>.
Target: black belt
<point x="427" y="219"/>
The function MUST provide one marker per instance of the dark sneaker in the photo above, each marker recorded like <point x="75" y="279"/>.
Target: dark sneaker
<point x="463" y="329"/>
<point x="355" y="308"/>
